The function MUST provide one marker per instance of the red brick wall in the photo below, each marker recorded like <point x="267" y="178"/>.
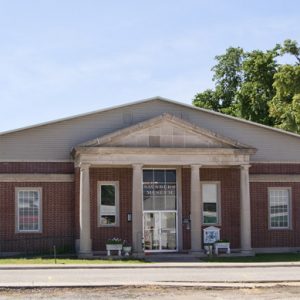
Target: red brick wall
<point x="262" y="236"/>
<point x="57" y="217"/>
<point x="274" y="168"/>
<point x="61" y="203"/>
<point x="230" y="202"/>
<point x="37" y="167"/>
<point x="100" y="235"/>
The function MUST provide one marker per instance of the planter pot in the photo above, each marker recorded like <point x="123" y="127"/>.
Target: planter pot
<point x="114" y="247"/>
<point x="222" y="245"/>
<point x="208" y="249"/>
<point x="127" y="250"/>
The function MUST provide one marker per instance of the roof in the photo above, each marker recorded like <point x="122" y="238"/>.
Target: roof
<point x="106" y="139"/>
<point x="149" y="100"/>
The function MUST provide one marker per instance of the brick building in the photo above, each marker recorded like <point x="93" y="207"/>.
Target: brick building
<point x="154" y="173"/>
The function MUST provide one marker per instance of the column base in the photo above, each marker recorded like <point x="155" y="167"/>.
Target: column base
<point x="138" y="254"/>
<point x="87" y="254"/>
<point x="247" y="252"/>
<point x="199" y="252"/>
<point x="84" y="250"/>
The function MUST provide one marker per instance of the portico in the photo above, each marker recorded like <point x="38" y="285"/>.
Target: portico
<point x="163" y="142"/>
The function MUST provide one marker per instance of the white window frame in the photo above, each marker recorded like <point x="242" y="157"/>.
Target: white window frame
<point x="17" y="213"/>
<point x="218" y="184"/>
<point x="117" y="203"/>
<point x="289" y="189"/>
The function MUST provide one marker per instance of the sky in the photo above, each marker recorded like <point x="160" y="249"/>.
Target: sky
<point x="62" y="58"/>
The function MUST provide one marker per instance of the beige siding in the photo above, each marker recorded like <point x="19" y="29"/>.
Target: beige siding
<point x="55" y="141"/>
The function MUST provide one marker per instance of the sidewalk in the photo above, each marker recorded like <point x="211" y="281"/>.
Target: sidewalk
<point x="169" y="265"/>
<point x="234" y="275"/>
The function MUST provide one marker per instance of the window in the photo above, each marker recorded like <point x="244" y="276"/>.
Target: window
<point x="28" y="204"/>
<point x="108" y="203"/>
<point x="159" y="189"/>
<point x="210" y="196"/>
<point x="279" y="208"/>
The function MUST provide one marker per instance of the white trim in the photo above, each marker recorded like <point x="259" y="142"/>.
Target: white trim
<point x="117" y="203"/>
<point x="37" y="160"/>
<point x="166" y="150"/>
<point x="17" y="224"/>
<point x="219" y="221"/>
<point x="161" y="156"/>
<point x="36" y="177"/>
<point x="274" y="178"/>
<point x="274" y="162"/>
<point x="148" y="100"/>
<point x="289" y="227"/>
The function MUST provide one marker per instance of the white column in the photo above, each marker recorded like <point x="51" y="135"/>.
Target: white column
<point x="196" y="209"/>
<point x="85" y="245"/>
<point x="137" y="208"/>
<point x="179" y="208"/>
<point x="245" y="213"/>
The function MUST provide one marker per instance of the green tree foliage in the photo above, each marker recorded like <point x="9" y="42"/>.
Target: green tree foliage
<point x="254" y="86"/>
<point x="285" y="105"/>
<point x="228" y="78"/>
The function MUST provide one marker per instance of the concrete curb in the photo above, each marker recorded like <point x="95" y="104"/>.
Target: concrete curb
<point x="201" y="285"/>
<point x="150" y="265"/>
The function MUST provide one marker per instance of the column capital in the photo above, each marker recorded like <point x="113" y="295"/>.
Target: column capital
<point x="84" y="166"/>
<point x="245" y="167"/>
<point x="137" y="166"/>
<point x="196" y="166"/>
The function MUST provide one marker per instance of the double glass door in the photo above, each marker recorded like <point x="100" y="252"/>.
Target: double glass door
<point x="160" y="231"/>
<point x="160" y="210"/>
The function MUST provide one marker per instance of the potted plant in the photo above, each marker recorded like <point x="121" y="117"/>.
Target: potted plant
<point x="222" y="244"/>
<point x="126" y="248"/>
<point x="208" y="247"/>
<point x="114" y="244"/>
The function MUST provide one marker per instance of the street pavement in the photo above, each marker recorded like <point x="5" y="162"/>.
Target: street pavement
<point x="188" y="274"/>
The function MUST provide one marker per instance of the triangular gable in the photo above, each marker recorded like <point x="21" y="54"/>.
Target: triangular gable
<point x="164" y="131"/>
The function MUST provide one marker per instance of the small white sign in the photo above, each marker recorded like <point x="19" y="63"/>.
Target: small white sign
<point x="211" y="234"/>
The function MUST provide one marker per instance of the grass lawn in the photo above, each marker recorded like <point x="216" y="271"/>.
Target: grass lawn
<point x="66" y="261"/>
<point x="271" y="257"/>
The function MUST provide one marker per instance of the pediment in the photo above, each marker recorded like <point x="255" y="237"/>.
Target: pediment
<point x="165" y="131"/>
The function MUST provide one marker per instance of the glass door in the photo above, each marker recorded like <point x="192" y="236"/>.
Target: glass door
<point x="160" y="210"/>
<point x="152" y="231"/>
<point x="168" y="231"/>
<point x="160" y="231"/>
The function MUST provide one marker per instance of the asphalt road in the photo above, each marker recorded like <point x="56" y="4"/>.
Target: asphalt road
<point x="153" y="293"/>
<point x="143" y="276"/>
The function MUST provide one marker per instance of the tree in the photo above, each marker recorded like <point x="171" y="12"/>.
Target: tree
<point x="254" y="86"/>
<point x="228" y="77"/>
<point x="285" y="105"/>
<point x="292" y="48"/>
<point x="257" y="88"/>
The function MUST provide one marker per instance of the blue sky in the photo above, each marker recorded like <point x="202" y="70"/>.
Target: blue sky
<point x="60" y="58"/>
